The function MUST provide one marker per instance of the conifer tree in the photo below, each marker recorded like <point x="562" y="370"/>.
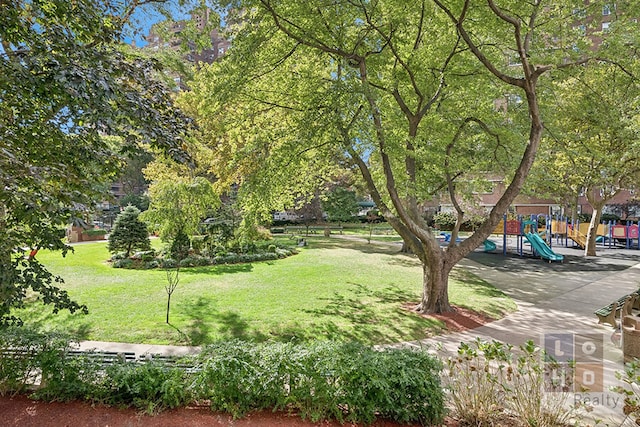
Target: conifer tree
<point x="129" y="233"/>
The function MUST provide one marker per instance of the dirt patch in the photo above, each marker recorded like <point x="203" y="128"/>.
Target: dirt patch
<point x="462" y="319"/>
<point x="20" y="411"/>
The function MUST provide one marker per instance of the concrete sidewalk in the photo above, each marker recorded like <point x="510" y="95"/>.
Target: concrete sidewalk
<point x="551" y="297"/>
<point x="558" y="299"/>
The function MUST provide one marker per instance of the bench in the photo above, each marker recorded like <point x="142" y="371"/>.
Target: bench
<point x="104" y="358"/>
<point x="179" y="362"/>
<point x="618" y="309"/>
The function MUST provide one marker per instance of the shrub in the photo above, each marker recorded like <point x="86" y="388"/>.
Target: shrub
<point x="489" y="381"/>
<point x="152" y="264"/>
<point x="444" y="220"/>
<point x="144" y="255"/>
<point x="322" y="380"/>
<point x="118" y="256"/>
<point x="606" y="217"/>
<point x="475" y="378"/>
<point x="32" y="357"/>
<point x="95" y="232"/>
<point x="149" y="386"/>
<point x="168" y="263"/>
<point x="123" y="263"/>
<point x="180" y="245"/>
<point x="70" y="378"/>
<point x="198" y="243"/>
<point x="631" y="392"/>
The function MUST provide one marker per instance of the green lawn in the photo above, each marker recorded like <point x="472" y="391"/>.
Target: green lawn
<point x="333" y="288"/>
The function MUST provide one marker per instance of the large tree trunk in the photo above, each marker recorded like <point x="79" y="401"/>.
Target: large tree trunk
<point x="592" y="234"/>
<point x="435" y="296"/>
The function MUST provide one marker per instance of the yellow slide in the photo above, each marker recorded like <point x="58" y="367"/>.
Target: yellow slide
<point x="579" y="235"/>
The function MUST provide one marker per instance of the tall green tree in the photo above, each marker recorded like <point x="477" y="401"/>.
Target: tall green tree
<point x="593" y="147"/>
<point x="179" y="205"/>
<point x="404" y="91"/>
<point x="66" y="81"/>
<point x="129" y="233"/>
<point x="341" y="205"/>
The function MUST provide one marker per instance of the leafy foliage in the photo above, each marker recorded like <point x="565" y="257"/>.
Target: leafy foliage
<point x="490" y="380"/>
<point x="129" y="233"/>
<point x="308" y="86"/>
<point x="341" y="205"/>
<point x="178" y="205"/>
<point x="348" y="382"/>
<point x="180" y="246"/>
<point x="66" y="84"/>
<point x="324" y="380"/>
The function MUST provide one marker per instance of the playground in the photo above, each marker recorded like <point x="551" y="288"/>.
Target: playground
<point x="537" y="235"/>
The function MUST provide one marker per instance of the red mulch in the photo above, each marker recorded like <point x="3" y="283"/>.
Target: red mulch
<point x="20" y="411"/>
<point x="461" y="319"/>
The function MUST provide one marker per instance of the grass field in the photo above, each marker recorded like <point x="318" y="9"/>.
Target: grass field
<point x="334" y="288"/>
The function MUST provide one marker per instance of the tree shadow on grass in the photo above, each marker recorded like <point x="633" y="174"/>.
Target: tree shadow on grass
<point x="207" y="324"/>
<point x="478" y="285"/>
<point x="41" y="317"/>
<point x="361" y="318"/>
<point x="364" y="315"/>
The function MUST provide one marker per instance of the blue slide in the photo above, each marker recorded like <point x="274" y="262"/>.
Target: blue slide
<point x="489" y="246"/>
<point x="541" y="247"/>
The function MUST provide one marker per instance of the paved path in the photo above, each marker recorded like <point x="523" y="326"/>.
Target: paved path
<point x="558" y="298"/>
<point x="551" y="298"/>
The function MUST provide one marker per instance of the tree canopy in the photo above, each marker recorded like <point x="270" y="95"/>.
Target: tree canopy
<point x="593" y="147"/>
<point x="424" y="98"/>
<point x="66" y="82"/>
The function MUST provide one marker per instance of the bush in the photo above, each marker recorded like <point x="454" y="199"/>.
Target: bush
<point x="168" y="263"/>
<point x="631" y="392"/>
<point x="152" y="264"/>
<point x="606" y="217"/>
<point x="118" y="256"/>
<point x="70" y="378"/>
<point x="144" y="255"/>
<point x="123" y="263"/>
<point x="95" y="232"/>
<point x="198" y="243"/>
<point x="180" y="246"/>
<point x="42" y="358"/>
<point x="444" y="221"/>
<point x="150" y="387"/>
<point x="488" y="383"/>
<point x="322" y="380"/>
<point x="195" y="261"/>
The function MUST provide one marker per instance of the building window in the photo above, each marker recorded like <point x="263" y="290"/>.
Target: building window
<point x="579" y="13"/>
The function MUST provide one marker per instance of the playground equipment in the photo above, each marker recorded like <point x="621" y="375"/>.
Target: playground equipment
<point x="578" y="232"/>
<point x="611" y="234"/>
<point x="527" y="231"/>
<point x="489" y="246"/>
<point x="562" y="231"/>
<point x="542" y="248"/>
